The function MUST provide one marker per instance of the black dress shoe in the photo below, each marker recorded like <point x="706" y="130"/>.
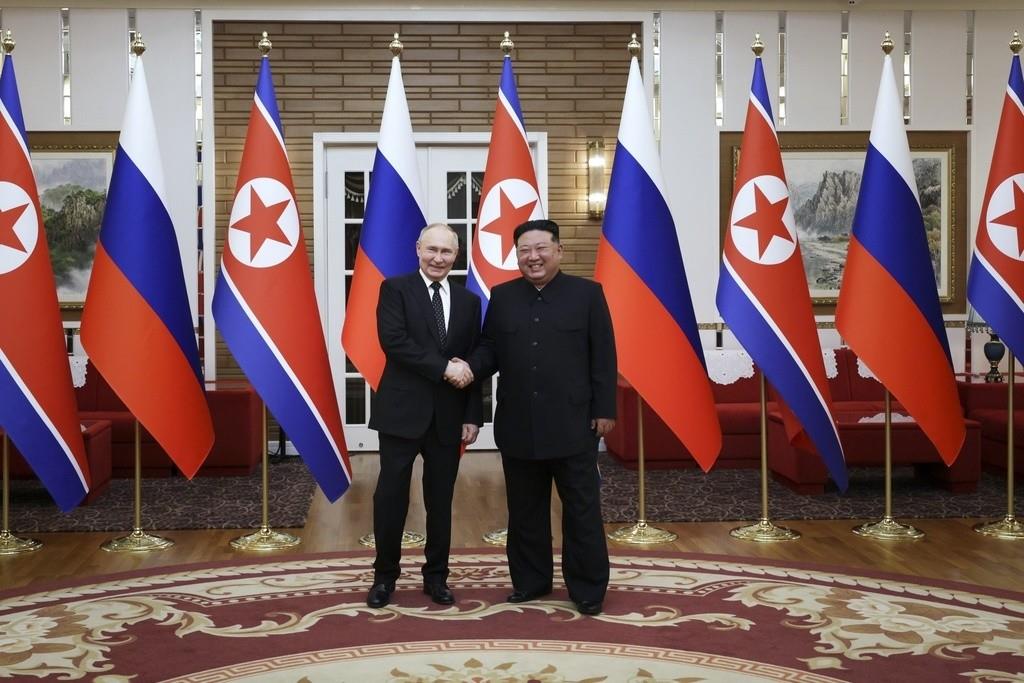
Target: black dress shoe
<point x="518" y="596"/>
<point x="589" y="607"/>
<point x="380" y="595"/>
<point x="439" y="593"/>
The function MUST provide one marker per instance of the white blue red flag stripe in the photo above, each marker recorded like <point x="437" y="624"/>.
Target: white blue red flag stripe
<point x="640" y="266"/>
<point x="38" y="410"/>
<point x="762" y="288"/>
<point x="509" y="196"/>
<point x="995" y="286"/>
<point x="888" y="309"/>
<point x="264" y="302"/>
<point x="137" y="324"/>
<point x="392" y="222"/>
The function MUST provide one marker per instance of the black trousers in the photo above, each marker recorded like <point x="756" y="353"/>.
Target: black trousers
<point x="584" y="549"/>
<point x="391" y="503"/>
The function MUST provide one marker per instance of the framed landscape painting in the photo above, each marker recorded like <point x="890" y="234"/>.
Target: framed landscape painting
<point x="72" y="173"/>
<point x="823" y="171"/>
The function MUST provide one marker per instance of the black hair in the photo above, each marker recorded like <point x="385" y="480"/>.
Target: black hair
<point x="540" y="224"/>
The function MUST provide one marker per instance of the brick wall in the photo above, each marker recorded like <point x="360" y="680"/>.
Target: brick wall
<point x="333" y="77"/>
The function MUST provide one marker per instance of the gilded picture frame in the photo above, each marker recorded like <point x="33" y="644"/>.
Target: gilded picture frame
<point x="72" y="172"/>
<point x="823" y="171"/>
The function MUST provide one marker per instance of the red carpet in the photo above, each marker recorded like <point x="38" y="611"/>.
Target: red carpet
<point x="667" y="618"/>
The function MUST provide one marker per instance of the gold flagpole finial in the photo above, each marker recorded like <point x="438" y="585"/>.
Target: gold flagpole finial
<point x="8" y="42"/>
<point x="396" y="46"/>
<point x="1015" y="42"/>
<point x="757" y="47"/>
<point x="138" y="45"/>
<point x="887" y="43"/>
<point x="264" y="46"/>
<point x="634" y="46"/>
<point x="507" y="45"/>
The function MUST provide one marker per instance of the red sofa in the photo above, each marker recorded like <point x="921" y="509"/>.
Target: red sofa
<point x="237" y="422"/>
<point x="739" y="411"/>
<point x="96" y="436"/>
<point x="987" y="404"/>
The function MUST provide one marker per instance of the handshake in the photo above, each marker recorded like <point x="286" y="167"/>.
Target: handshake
<point x="458" y="373"/>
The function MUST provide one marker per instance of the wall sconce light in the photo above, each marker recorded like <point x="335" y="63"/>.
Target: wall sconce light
<point x="596" y="193"/>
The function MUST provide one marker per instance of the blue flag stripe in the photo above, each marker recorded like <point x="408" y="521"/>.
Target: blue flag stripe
<point x="508" y="88"/>
<point x="393" y="221"/>
<point x="995" y="304"/>
<point x="1016" y="83"/>
<point x="782" y="371"/>
<point x="139" y="236"/>
<point x="9" y="96"/>
<point x="641" y="230"/>
<point x="31" y="434"/>
<point x="759" y="90"/>
<point x="889" y="225"/>
<point x="266" y="95"/>
<point x="277" y="390"/>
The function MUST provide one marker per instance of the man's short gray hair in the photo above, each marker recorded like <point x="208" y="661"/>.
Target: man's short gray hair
<point x="444" y="226"/>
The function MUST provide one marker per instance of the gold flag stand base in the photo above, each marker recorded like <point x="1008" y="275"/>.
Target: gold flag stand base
<point x="138" y="541"/>
<point x="1008" y="527"/>
<point x="410" y="539"/>
<point x="642" y="533"/>
<point x="496" y="537"/>
<point x="12" y="545"/>
<point x="888" y="529"/>
<point x="265" y="538"/>
<point x="764" y="531"/>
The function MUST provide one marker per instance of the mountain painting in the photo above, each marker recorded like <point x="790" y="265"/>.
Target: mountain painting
<point x="823" y="192"/>
<point x="72" y="192"/>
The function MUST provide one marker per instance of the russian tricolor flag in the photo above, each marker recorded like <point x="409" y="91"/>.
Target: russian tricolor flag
<point x="995" y="286"/>
<point x="137" y="325"/>
<point x="762" y="288"/>
<point x="640" y="265"/>
<point x="392" y="222"/>
<point x="264" y="302"/>
<point x="888" y="309"/>
<point x="38" y="411"/>
<point x="508" y="198"/>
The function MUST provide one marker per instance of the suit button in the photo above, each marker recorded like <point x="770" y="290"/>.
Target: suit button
<point x="536" y="320"/>
<point x="534" y="368"/>
<point x="535" y="394"/>
<point x="533" y="343"/>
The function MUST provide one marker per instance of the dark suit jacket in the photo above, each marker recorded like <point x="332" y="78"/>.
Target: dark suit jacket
<point x="412" y="390"/>
<point x="555" y="351"/>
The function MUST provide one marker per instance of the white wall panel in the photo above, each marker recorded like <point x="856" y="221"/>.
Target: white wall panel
<point x="37" y="64"/>
<point x="689" y="147"/>
<point x="170" y="69"/>
<point x="740" y="28"/>
<point x="938" y="52"/>
<point x="99" y="68"/>
<point x="812" y="79"/>
<point x="866" y="32"/>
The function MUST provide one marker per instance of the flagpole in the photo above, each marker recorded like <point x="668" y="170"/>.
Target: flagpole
<point x="265" y="538"/>
<point x="138" y="540"/>
<point x="887" y="528"/>
<point x="9" y="543"/>
<point x="764" y="530"/>
<point x="1009" y="527"/>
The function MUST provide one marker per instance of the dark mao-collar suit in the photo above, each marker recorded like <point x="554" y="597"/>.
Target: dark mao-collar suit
<point x="415" y="412"/>
<point x="555" y="352"/>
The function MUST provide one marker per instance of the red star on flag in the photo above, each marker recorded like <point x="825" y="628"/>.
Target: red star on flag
<point x="766" y="220"/>
<point x="8" y="218"/>
<point x="1013" y="218"/>
<point x="261" y="223"/>
<point x="509" y="218"/>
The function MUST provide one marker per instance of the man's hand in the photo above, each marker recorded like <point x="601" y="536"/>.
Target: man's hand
<point x="469" y="433"/>
<point x="602" y="425"/>
<point x="458" y="373"/>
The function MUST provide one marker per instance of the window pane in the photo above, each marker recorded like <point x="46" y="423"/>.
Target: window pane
<point x="355" y="194"/>
<point x="477" y="184"/>
<point x="460" y="260"/>
<point x="351" y="244"/>
<point x="355" y="401"/>
<point x="456" y="193"/>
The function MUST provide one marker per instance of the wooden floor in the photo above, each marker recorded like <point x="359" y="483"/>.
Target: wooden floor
<point x="950" y="551"/>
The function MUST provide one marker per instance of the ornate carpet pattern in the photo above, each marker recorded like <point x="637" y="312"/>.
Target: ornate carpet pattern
<point x="173" y="503"/>
<point x="689" y="495"/>
<point x="682" y="618"/>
